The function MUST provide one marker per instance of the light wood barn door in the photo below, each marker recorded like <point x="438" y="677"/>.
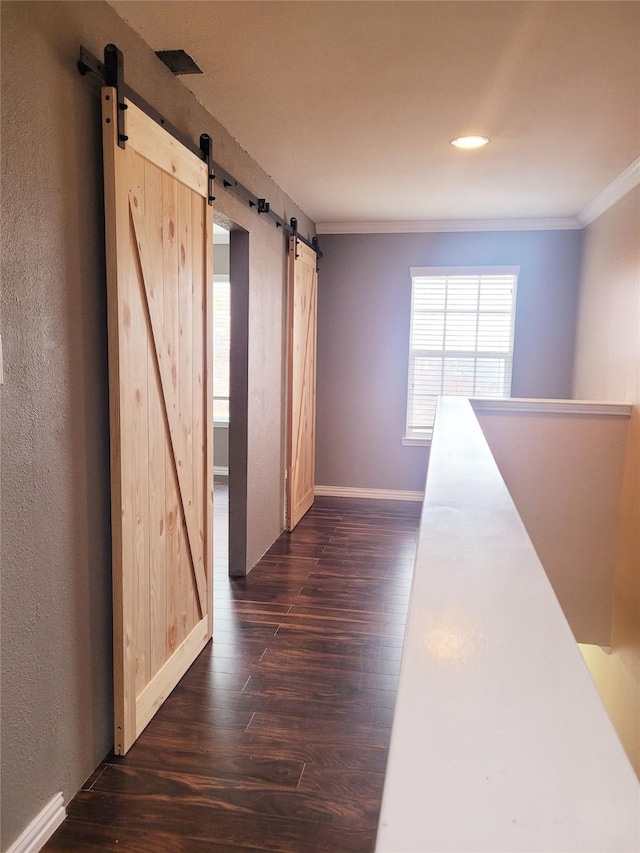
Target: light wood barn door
<point x="301" y="450"/>
<point x="159" y="273"/>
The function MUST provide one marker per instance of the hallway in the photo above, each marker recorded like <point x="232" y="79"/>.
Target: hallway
<point x="277" y="737"/>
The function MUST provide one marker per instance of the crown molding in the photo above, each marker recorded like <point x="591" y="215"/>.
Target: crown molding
<point x="619" y="187"/>
<point x="448" y="225"/>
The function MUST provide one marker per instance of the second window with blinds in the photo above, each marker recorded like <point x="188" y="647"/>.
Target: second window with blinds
<point x="461" y="338"/>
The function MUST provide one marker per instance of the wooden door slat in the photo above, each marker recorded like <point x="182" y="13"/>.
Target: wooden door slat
<point x="207" y="387"/>
<point x="198" y="366"/>
<point x="137" y="479"/>
<point x="157" y="447"/>
<point x="184" y="435"/>
<point x="173" y="549"/>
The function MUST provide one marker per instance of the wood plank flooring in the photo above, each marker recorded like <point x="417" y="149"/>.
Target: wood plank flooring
<point x="277" y="737"/>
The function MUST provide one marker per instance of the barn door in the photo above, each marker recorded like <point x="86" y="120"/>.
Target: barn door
<point x="159" y="273"/>
<point x="301" y="448"/>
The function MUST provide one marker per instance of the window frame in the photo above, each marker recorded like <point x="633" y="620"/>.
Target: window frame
<point x="423" y="437"/>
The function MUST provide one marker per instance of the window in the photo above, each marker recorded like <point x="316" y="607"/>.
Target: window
<point x="221" y="342"/>
<point x="461" y="338"/>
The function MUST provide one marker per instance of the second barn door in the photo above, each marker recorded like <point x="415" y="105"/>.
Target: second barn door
<point x="159" y="273"/>
<point x="301" y="423"/>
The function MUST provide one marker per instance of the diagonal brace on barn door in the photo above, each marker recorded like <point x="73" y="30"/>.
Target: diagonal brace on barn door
<point x="147" y="275"/>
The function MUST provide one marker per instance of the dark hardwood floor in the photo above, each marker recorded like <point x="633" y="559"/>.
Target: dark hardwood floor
<point x="276" y="739"/>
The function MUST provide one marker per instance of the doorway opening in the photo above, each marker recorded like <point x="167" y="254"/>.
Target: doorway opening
<point x="230" y="396"/>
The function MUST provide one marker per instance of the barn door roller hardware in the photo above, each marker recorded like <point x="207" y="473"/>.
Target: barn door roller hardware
<point x="293" y="226"/>
<point x="114" y="76"/>
<point x="111" y="72"/>
<point x="293" y="223"/>
<point x="206" y="146"/>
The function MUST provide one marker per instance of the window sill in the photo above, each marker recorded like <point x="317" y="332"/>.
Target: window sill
<point x="412" y="441"/>
<point x="221" y="422"/>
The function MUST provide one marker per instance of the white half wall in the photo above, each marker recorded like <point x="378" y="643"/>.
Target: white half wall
<point x="500" y="742"/>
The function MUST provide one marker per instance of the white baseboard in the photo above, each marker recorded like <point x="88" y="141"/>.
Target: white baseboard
<point x="41" y="828"/>
<point x="373" y="494"/>
<point x="220" y="471"/>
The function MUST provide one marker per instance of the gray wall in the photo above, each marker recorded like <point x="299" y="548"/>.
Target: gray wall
<point x="221" y="259"/>
<point x="364" y="295"/>
<point x="56" y="598"/>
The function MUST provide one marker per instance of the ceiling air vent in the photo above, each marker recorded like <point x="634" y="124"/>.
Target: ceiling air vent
<point x="178" y="62"/>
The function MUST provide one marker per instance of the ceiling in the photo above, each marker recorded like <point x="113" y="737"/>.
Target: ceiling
<point x="350" y="106"/>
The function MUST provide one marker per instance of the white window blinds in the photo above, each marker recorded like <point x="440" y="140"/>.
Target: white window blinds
<point x="221" y="345"/>
<point x="461" y="340"/>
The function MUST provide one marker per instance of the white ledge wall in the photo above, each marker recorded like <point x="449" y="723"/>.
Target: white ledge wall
<point x="500" y="742"/>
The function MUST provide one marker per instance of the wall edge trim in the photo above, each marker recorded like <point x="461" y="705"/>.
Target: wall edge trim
<point x="617" y="189"/>
<point x="41" y="828"/>
<point x="558" y="407"/>
<point x="448" y="225"/>
<point x="369" y="494"/>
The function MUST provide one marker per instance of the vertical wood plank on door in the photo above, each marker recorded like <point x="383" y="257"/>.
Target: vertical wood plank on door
<point x="127" y="428"/>
<point x="117" y="232"/>
<point x="158" y="447"/>
<point x="174" y="541"/>
<point x="198" y="375"/>
<point x="185" y="405"/>
<point x="138" y="477"/>
<point x="208" y="485"/>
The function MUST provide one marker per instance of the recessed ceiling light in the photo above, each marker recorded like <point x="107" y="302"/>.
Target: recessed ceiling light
<point x="469" y="141"/>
